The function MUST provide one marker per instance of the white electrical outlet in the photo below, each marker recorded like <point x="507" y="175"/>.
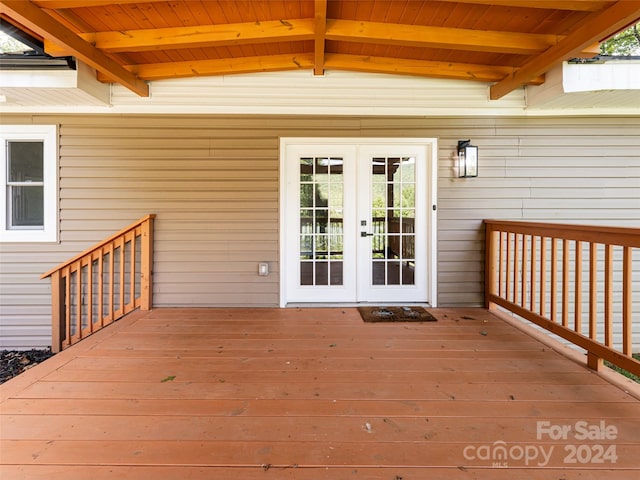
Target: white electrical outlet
<point x="263" y="269"/>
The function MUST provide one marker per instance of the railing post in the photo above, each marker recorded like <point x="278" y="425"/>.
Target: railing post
<point x="146" y="267"/>
<point x="490" y="246"/>
<point x="57" y="312"/>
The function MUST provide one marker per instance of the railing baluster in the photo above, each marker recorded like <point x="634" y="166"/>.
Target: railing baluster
<point x="627" y="339"/>
<point x="565" y="283"/>
<point x="78" y="268"/>
<point x="593" y="290"/>
<point x="507" y="276"/>
<point x="543" y="276"/>
<point x="608" y="295"/>
<point x="79" y="280"/>
<point x="516" y="269"/>
<point x="89" y="309"/>
<point x="523" y="278"/>
<point x="554" y="280"/>
<point x="532" y="280"/>
<point x="112" y="282"/>
<point x="578" y="289"/>
<point x="121" y="275"/>
<point x="67" y="309"/>
<point x="500" y="262"/>
<point x="100" y="312"/>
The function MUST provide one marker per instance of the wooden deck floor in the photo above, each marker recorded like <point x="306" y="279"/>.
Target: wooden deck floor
<point x="314" y="394"/>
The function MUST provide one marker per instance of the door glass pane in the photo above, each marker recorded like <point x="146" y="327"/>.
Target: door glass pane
<point x="393" y="213"/>
<point x="321" y="211"/>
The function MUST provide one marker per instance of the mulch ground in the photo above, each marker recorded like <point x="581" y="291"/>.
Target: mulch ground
<point x="14" y="362"/>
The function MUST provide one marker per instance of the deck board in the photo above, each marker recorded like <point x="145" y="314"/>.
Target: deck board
<point x="308" y="394"/>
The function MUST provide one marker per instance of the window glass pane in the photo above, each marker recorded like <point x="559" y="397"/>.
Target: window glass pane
<point x="26" y="161"/>
<point x="27" y="206"/>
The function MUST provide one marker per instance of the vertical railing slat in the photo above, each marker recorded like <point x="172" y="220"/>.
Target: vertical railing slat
<point x="516" y="269"/>
<point x="565" y="283"/>
<point x="608" y="295"/>
<point x="543" y="276"/>
<point x="593" y="290"/>
<point x="507" y="275"/>
<point x="523" y="277"/>
<point x="121" y="275"/>
<point x="554" y="280"/>
<point x="532" y="276"/>
<point x="89" y="308"/>
<point x="67" y="308"/>
<point x="112" y="282"/>
<point x="100" y="306"/>
<point x="627" y="337"/>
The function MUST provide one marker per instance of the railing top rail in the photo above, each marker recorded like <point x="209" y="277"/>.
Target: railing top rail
<point x="623" y="236"/>
<point x="99" y="245"/>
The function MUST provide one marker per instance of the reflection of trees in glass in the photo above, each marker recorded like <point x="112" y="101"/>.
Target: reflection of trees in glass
<point x="401" y="189"/>
<point x="321" y="207"/>
<point x="624" y="43"/>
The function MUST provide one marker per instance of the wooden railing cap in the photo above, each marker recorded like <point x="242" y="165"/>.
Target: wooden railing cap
<point x="88" y="251"/>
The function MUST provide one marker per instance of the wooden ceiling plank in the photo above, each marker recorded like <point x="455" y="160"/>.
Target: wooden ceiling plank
<point x="63" y="4"/>
<point x="572" y="5"/>
<point x="225" y="66"/>
<point x="202" y="36"/>
<point x="422" y="68"/>
<point x="596" y="27"/>
<point x="32" y="17"/>
<point x="320" y="25"/>
<point x="439" y="37"/>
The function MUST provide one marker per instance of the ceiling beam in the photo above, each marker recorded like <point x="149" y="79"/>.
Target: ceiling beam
<point x="422" y="68"/>
<point x="33" y="18"/>
<point x="320" y="8"/>
<point x="223" y="66"/>
<point x="201" y="36"/>
<point x="596" y="27"/>
<point x="576" y="5"/>
<point x="439" y="37"/>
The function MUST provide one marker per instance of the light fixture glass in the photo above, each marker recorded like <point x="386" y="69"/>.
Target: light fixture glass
<point x="467" y="159"/>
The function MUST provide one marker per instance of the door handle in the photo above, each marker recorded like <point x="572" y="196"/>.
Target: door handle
<point x="365" y="234"/>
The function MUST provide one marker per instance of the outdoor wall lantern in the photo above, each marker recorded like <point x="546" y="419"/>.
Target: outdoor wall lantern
<point x="467" y="159"/>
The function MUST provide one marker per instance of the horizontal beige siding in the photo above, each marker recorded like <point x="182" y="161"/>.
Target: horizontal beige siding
<point x="213" y="183"/>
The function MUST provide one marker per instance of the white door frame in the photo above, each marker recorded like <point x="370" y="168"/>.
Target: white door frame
<point x="431" y="183"/>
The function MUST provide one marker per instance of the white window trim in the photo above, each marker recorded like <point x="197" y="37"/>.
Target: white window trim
<point x="48" y="135"/>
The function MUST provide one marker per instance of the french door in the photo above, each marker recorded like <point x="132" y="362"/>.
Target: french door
<point x="357" y="220"/>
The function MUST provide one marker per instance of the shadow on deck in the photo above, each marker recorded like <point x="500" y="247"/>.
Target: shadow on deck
<point x="315" y="394"/>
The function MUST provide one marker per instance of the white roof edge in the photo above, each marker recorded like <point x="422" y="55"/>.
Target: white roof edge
<point x="599" y="88"/>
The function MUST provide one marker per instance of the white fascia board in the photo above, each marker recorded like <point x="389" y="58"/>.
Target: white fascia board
<point x="82" y="81"/>
<point x="610" y="88"/>
<point x="613" y="75"/>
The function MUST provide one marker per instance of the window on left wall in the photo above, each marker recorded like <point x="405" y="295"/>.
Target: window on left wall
<point x="29" y="180"/>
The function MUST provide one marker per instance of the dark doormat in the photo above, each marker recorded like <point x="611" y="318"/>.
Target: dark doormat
<point x="395" y="314"/>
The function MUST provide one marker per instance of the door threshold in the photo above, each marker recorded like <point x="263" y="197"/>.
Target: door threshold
<point x="356" y="304"/>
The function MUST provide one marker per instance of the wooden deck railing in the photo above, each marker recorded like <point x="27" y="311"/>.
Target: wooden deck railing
<point x="568" y="280"/>
<point x="102" y="284"/>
